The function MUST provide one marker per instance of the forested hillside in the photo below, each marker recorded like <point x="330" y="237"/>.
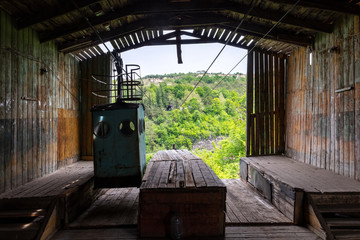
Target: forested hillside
<point x="216" y="108"/>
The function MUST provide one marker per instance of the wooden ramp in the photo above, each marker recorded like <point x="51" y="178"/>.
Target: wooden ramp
<point x="245" y="206"/>
<point x="116" y="207"/>
<point x="39" y="208"/>
<point x="298" y="190"/>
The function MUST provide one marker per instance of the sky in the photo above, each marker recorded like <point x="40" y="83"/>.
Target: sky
<point x="196" y="57"/>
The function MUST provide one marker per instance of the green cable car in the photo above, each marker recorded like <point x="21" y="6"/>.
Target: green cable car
<point x="119" y="136"/>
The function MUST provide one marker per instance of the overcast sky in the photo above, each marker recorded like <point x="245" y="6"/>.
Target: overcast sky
<point x="196" y="57"/>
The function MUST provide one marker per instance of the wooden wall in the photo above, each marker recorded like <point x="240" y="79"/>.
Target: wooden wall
<point x="101" y="68"/>
<point x="33" y="106"/>
<point x="323" y="101"/>
<point x="265" y="129"/>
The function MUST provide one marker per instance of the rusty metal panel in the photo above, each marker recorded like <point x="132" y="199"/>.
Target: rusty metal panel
<point x="323" y="99"/>
<point x="119" y="144"/>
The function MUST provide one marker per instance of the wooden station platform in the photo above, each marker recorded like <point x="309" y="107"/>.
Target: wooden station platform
<point x="307" y="195"/>
<point x="118" y="208"/>
<point x="41" y="207"/>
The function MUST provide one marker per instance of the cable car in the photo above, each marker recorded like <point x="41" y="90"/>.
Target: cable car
<point x="119" y="134"/>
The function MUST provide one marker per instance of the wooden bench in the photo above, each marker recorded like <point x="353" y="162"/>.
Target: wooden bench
<point x="179" y="184"/>
<point x="303" y="192"/>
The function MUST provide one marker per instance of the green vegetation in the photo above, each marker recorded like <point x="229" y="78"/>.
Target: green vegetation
<point x="205" y="115"/>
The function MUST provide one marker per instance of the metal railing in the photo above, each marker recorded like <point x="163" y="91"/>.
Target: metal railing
<point x="125" y="86"/>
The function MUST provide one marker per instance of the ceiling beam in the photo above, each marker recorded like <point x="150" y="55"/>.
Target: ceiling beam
<point x="67" y="6"/>
<point x="274" y="16"/>
<point x="251" y="29"/>
<point x="160" y="21"/>
<point x="276" y="34"/>
<point x="341" y="6"/>
<point x="164" y="40"/>
<point x="164" y="7"/>
<point x="168" y="23"/>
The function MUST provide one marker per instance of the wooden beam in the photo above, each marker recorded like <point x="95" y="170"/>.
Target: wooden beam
<point x="178" y="46"/>
<point x="274" y="16"/>
<point x="192" y="20"/>
<point x="161" y="7"/>
<point x="169" y="21"/>
<point x="164" y="40"/>
<point x="276" y="34"/>
<point x="349" y="7"/>
<point x="66" y="7"/>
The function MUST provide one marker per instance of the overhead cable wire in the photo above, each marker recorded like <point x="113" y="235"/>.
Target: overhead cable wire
<point x="222" y="49"/>
<point x="264" y="36"/>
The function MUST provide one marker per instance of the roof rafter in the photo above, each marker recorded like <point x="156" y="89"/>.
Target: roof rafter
<point x="145" y="7"/>
<point x="348" y="6"/>
<point x="188" y="22"/>
<point x="67" y="6"/>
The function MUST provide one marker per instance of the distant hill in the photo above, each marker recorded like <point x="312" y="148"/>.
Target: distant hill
<point x="214" y="110"/>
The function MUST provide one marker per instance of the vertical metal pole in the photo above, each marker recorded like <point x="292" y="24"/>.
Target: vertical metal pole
<point x="119" y="67"/>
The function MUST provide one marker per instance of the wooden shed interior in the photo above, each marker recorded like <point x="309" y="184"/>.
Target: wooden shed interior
<point x="303" y="95"/>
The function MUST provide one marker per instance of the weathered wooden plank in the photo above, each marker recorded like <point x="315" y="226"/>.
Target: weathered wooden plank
<point x="180" y="176"/>
<point x="29" y="93"/>
<point x="249" y="104"/>
<point x="357" y="97"/>
<point x="257" y="106"/>
<point x="148" y="167"/>
<point x="267" y="105"/>
<point x="282" y="105"/>
<point x="271" y="103"/>
<point x="2" y="101"/>
<point x="303" y="110"/>
<point x="198" y="177"/>
<point x="6" y="100"/>
<point x="277" y="104"/>
<point x="18" y="163"/>
<point x="164" y="174"/>
<point x="262" y="103"/>
<point x="26" y="170"/>
<point x="189" y="180"/>
<point x="151" y="175"/>
<point x="207" y="174"/>
<point x="14" y="102"/>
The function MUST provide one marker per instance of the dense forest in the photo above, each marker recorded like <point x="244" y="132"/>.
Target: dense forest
<point x="213" y="113"/>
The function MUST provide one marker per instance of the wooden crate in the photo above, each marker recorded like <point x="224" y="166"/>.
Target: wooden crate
<point x="177" y="182"/>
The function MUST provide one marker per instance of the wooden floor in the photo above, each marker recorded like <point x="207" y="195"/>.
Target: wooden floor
<point x="245" y="206"/>
<point x="239" y="232"/>
<point x="115" y="207"/>
<point x="54" y="184"/>
<point x="119" y="207"/>
<point x="303" y="176"/>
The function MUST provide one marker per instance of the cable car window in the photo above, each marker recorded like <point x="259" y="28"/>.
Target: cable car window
<point x="102" y="129"/>
<point x="127" y="127"/>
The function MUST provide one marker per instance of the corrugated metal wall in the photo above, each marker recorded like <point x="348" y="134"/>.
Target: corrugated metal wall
<point x="323" y="101"/>
<point x="30" y="103"/>
<point x="101" y="68"/>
